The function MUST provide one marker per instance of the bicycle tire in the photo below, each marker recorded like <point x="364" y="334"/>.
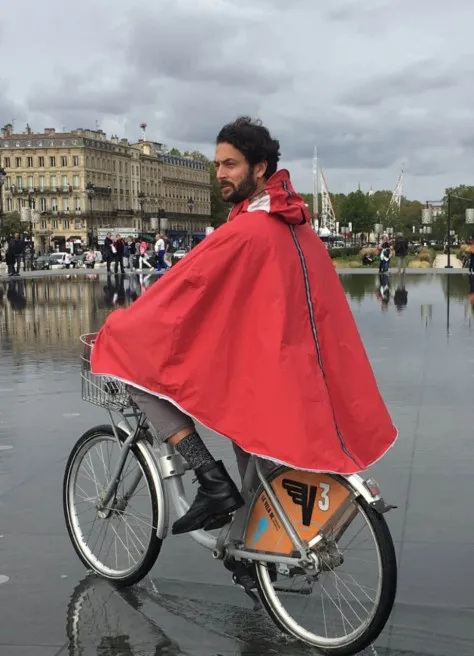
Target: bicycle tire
<point x="155" y="543"/>
<point x="388" y="588"/>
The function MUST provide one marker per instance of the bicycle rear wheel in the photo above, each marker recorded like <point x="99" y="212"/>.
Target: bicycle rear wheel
<point x="343" y="607"/>
<point x="120" y="541"/>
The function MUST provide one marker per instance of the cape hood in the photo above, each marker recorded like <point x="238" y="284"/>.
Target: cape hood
<point x="251" y="334"/>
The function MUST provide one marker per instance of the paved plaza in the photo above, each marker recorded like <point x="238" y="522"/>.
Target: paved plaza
<point x="419" y="334"/>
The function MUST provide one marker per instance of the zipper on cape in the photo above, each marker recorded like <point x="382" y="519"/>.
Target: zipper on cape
<point x="316" y="339"/>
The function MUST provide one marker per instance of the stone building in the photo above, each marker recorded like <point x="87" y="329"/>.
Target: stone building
<point x="70" y="185"/>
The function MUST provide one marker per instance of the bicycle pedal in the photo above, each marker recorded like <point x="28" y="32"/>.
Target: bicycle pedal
<point x="218" y="521"/>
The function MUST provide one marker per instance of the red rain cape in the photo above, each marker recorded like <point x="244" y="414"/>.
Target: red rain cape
<point x="251" y="334"/>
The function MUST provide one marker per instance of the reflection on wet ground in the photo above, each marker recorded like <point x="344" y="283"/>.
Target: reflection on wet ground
<point x="419" y="336"/>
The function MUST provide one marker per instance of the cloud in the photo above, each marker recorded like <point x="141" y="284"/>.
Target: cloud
<point x="372" y="86"/>
<point x="413" y="80"/>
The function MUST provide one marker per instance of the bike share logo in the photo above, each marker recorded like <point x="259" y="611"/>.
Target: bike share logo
<point x="302" y="495"/>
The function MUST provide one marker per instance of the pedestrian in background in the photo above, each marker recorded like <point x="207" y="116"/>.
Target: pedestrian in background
<point x="143" y="258"/>
<point x="108" y="250"/>
<point x="385" y="256"/>
<point x="401" y="252"/>
<point x="160" y="251"/>
<point x="471" y="257"/>
<point x="132" y="251"/>
<point x="119" y="246"/>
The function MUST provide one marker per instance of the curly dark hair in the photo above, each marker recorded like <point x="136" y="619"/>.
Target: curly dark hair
<point x="253" y="140"/>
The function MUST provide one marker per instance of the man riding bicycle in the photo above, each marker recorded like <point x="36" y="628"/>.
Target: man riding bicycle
<point x="251" y="335"/>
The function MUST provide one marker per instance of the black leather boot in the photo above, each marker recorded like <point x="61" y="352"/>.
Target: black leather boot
<point x="217" y="495"/>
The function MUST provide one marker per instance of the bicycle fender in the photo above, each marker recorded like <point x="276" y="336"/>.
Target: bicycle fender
<point x="162" y="500"/>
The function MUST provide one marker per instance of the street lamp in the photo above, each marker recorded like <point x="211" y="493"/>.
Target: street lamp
<point x="31" y="207"/>
<point x="90" y="189"/>
<point x="2" y="182"/>
<point x="190" y="207"/>
<point x="141" y="201"/>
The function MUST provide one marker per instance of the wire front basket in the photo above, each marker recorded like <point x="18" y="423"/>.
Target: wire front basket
<point x="104" y="391"/>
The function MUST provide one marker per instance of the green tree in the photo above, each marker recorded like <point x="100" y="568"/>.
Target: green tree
<point x="462" y="198"/>
<point x="198" y="156"/>
<point x="308" y="199"/>
<point x="381" y="201"/>
<point x="338" y="201"/>
<point x="410" y="215"/>
<point x="359" y="210"/>
<point x="175" y="152"/>
<point x="10" y="224"/>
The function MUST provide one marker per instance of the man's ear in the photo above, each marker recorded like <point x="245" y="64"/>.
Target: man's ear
<point x="260" y="170"/>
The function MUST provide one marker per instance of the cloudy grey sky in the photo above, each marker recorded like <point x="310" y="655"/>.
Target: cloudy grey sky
<point x="374" y="84"/>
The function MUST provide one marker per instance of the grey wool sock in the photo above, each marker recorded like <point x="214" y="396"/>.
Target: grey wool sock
<point x="194" y="451"/>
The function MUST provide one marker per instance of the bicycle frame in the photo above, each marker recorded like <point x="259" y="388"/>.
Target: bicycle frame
<point x="167" y="467"/>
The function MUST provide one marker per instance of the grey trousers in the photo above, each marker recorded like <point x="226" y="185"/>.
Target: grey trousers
<point x="167" y="420"/>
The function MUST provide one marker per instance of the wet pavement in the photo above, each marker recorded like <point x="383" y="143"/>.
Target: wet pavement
<point x="419" y="333"/>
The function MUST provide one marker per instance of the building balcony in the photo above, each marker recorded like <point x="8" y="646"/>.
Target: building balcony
<point x="45" y="189"/>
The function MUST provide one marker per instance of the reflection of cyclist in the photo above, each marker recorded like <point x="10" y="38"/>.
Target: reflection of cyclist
<point x="250" y="334"/>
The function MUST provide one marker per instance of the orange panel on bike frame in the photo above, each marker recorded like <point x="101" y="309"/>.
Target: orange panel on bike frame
<point x="309" y="501"/>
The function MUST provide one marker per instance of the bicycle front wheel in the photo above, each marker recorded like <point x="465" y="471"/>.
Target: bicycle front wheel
<point x="343" y="607"/>
<point x="119" y="541"/>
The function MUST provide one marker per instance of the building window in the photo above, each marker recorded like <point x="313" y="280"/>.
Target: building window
<point x="44" y="225"/>
<point x="42" y="204"/>
<point x="54" y="182"/>
<point x="64" y="182"/>
<point x="29" y="162"/>
<point x="8" y="182"/>
<point x="19" y="182"/>
<point x="54" y="204"/>
<point x="66" y="225"/>
<point x="41" y="182"/>
<point x="18" y="162"/>
<point x="30" y="182"/>
<point x="9" y="204"/>
<point x="65" y="204"/>
<point x="6" y="162"/>
<point x="41" y="162"/>
<point x="52" y="161"/>
<point x="54" y="224"/>
<point x="75" y="160"/>
<point x="63" y="160"/>
<point x="75" y="182"/>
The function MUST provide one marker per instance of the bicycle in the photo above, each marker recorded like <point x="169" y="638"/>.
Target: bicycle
<point x="292" y="527"/>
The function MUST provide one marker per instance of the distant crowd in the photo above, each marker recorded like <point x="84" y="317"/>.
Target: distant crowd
<point x="134" y="252"/>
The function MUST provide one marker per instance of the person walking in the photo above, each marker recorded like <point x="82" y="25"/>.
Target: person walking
<point x="108" y="250"/>
<point x="15" y="251"/>
<point x="119" y="246"/>
<point x="385" y="256"/>
<point x="142" y="257"/>
<point x="401" y="252"/>
<point x="470" y="253"/>
<point x="160" y="251"/>
<point x="132" y="251"/>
